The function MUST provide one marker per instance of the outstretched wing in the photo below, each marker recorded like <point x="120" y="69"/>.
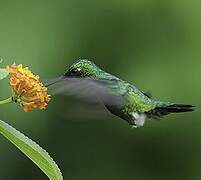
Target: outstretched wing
<point x="89" y="89"/>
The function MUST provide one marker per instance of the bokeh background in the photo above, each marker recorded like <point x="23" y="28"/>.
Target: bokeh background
<point x="154" y="44"/>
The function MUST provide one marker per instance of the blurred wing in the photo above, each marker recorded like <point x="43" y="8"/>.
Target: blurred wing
<point x="89" y="89"/>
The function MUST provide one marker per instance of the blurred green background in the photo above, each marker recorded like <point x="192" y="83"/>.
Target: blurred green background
<point x="154" y="44"/>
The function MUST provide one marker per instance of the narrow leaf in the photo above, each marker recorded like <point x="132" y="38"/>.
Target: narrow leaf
<point x="32" y="150"/>
<point x="3" y="73"/>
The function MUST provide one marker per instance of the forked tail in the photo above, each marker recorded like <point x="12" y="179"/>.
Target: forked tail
<point x="163" y="109"/>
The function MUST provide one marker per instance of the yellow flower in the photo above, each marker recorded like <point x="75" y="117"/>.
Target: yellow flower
<point x="27" y="88"/>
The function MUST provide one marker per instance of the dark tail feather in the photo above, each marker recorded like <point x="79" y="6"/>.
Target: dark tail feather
<point x="165" y="110"/>
<point x="176" y="108"/>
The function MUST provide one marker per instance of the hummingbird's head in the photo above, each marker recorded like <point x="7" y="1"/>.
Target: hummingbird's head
<point x="83" y="68"/>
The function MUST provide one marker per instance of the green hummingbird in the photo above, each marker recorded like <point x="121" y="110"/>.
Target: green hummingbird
<point x="85" y="79"/>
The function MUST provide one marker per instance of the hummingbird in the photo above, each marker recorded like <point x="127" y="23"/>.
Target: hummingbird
<point x="85" y="79"/>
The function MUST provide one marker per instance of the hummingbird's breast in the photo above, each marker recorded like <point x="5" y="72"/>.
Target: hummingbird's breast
<point x="119" y="112"/>
<point x="133" y="100"/>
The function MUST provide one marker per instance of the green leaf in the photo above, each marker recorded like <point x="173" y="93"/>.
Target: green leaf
<point x="3" y="73"/>
<point x="32" y="150"/>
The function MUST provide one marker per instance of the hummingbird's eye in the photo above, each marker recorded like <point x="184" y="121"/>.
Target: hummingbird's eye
<point x="74" y="73"/>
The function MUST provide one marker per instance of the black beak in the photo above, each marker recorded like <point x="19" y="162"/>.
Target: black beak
<point x="53" y="81"/>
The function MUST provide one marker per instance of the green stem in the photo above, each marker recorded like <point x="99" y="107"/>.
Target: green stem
<point x="6" y="101"/>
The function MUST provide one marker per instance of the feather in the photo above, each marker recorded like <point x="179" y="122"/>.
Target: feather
<point x="89" y="89"/>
